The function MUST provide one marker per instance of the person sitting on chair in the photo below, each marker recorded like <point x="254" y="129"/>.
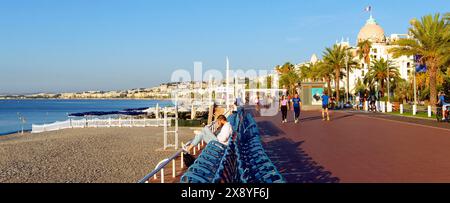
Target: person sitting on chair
<point x="224" y="133"/>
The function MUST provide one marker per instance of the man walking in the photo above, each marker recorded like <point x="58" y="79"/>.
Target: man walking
<point x="296" y="104"/>
<point x="325" y="103"/>
<point x="441" y="103"/>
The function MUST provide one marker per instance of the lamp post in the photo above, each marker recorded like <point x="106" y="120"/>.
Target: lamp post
<point x="388" y="79"/>
<point x="348" y="77"/>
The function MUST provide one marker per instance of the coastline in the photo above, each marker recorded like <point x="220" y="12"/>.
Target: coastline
<point x="14" y="132"/>
<point x="90" y="155"/>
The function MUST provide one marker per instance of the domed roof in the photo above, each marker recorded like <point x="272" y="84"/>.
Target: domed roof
<point x="372" y="32"/>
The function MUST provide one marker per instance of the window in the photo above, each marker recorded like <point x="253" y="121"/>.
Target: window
<point x="408" y="64"/>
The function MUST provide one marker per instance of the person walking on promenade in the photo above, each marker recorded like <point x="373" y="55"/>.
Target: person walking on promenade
<point x="297" y="105"/>
<point x="372" y="101"/>
<point x="284" y="108"/>
<point x="441" y="103"/>
<point x="325" y="103"/>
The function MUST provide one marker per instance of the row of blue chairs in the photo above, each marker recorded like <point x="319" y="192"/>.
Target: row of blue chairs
<point x="253" y="163"/>
<point x="243" y="160"/>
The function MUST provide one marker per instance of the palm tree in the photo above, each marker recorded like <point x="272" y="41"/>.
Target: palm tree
<point x="288" y="77"/>
<point x="403" y="90"/>
<point x="363" y="51"/>
<point x="378" y="73"/>
<point x="336" y="58"/>
<point x="324" y="72"/>
<point x="360" y="86"/>
<point x="285" y="68"/>
<point x="306" y="72"/>
<point x="431" y="41"/>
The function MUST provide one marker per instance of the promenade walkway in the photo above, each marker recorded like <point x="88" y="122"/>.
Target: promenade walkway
<point x="356" y="147"/>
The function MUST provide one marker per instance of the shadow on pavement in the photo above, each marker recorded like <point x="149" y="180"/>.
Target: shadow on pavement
<point x="269" y="129"/>
<point x="295" y="165"/>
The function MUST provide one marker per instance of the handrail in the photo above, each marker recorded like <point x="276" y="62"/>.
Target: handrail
<point x="164" y="164"/>
<point x="174" y="156"/>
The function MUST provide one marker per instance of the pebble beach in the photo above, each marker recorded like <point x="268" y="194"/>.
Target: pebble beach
<point x="91" y="155"/>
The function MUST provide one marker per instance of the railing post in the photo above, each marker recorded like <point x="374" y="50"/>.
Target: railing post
<point x="165" y="129"/>
<point x="173" y="168"/>
<point x="182" y="159"/>
<point x="366" y="106"/>
<point x="389" y="107"/>
<point x="194" y="151"/>
<point x="198" y="147"/>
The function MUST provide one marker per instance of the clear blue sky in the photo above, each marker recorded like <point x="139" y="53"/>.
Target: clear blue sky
<point x="73" y="45"/>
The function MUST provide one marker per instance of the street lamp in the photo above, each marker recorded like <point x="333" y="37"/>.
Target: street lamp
<point x="388" y="79"/>
<point x="348" y="76"/>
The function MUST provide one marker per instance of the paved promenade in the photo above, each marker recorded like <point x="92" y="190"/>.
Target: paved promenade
<point x="357" y="147"/>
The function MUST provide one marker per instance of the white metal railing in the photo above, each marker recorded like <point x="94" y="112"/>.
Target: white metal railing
<point x="99" y="123"/>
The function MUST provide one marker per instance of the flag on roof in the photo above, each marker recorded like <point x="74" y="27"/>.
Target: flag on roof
<point x="368" y="9"/>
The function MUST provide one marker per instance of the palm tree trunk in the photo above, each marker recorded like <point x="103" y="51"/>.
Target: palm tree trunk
<point x="329" y="86"/>
<point x="337" y="75"/>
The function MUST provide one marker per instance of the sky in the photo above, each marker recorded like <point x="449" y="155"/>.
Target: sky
<point x="79" y="45"/>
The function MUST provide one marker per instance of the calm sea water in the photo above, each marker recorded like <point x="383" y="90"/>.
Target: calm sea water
<point x="48" y="111"/>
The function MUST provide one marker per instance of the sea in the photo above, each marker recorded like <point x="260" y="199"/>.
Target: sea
<point x="39" y="111"/>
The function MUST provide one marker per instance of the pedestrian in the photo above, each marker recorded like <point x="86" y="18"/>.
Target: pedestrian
<point x="325" y="103"/>
<point x="284" y="109"/>
<point x="441" y="103"/>
<point x="373" y="101"/>
<point x="296" y="104"/>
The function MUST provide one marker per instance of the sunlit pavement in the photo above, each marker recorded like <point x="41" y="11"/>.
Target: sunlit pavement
<point x="358" y="147"/>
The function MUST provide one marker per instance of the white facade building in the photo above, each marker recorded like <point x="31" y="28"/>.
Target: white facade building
<point x="373" y="32"/>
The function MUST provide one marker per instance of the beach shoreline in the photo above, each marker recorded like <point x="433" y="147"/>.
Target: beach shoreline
<point x="90" y="155"/>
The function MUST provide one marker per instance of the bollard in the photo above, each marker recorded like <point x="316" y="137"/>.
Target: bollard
<point x="414" y="110"/>
<point x="401" y="108"/>
<point x="162" y="175"/>
<point x="198" y="147"/>
<point x="429" y="111"/>
<point x="194" y="151"/>
<point x="389" y="107"/>
<point x="173" y="168"/>
<point x="366" y="106"/>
